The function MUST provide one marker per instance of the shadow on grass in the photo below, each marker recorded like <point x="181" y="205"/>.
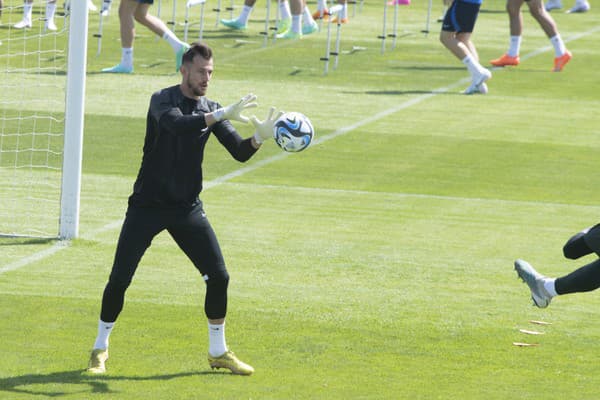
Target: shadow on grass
<point x="96" y="383"/>
<point x="6" y="240"/>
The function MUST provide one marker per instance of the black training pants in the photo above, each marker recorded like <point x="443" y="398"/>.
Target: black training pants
<point x="193" y="233"/>
<point x="586" y="278"/>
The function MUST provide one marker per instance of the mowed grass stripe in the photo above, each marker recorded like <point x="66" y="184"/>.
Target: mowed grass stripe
<point x="341" y="221"/>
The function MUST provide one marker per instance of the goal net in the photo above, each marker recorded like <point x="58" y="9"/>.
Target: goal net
<point x="34" y="64"/>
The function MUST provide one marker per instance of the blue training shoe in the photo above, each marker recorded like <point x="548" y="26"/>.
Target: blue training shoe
<point x="233" y="24"/>
<point x="289" y="34"/>
<point x="307" y="29"/>
<point x="118" y="69"/>
<point x="179" y="56"/>
<point x="283" y="25"/>
<point x="535" y="281"/>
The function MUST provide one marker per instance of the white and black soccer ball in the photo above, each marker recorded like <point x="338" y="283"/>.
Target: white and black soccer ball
<point x="293" y="131"/>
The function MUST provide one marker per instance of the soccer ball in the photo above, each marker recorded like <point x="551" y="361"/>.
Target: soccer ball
<point x="293" y="131"/>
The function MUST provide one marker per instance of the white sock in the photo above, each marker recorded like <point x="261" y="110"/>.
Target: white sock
<point x="515" y="46"/>
<point x="27" y="8"/>
<point x="321" y="5"/>
<point x="216" y="340"/>
<point x="559" y="45"/>
<point x="245" y="14"/>
<point x="284" y="10"/>
<point x="50" y="10"/>
<point x="472" y="65"/>
<point x="104" y="330"/>
<point x="550" y="288"/>
<point x="173" y="40"/>
<point x="127" y="57"/>
<point x="344" y="12"/>
<point x="307" y="18"/>
<point x="296" y="27"/>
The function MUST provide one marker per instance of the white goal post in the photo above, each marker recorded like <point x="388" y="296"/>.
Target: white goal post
<point x="74" y="116"/>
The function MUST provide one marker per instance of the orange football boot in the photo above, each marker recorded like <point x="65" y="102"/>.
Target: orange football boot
<point x="342" y="21"/>
<point x="317" y="14"/>
<point x="505" y="60"/>
<point x="560" y="62"/>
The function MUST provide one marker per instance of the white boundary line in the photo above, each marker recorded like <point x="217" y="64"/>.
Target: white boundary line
<point x="339" y="132"/>
<point x="403" y="195"/>
<point x="40" y="255"/>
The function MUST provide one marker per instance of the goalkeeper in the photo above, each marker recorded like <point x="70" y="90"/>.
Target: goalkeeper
<point x="180" y="121"/>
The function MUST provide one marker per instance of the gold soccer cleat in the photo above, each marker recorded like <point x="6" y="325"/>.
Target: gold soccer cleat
<point x="231" y="362"/>
<point x="97" y="361"/>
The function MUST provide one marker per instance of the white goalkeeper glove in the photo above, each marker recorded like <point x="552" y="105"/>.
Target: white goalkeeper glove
<point x="264" y="129"/>
<point x="234" y="111"/>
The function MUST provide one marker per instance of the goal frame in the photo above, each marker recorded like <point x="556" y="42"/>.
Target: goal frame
<point x="74" y="121"/>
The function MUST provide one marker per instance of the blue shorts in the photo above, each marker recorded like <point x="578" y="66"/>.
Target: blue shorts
<point x="461" y="17"/>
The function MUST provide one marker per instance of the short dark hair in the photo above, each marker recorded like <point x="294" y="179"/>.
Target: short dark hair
<point x="196" y="49"/>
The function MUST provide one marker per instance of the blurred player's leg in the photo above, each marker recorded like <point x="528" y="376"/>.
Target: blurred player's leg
<point x="50" y="11"/>
<point x="285" y="16"/>
<point x="580" y="6"/>
<point x="309" y="25"/>
<point x="26" y="21"/>
<point x="553" y="5"/>
<point x="241" y="22"/>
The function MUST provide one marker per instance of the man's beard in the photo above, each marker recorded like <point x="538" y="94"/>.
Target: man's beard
<point x="198" y="91"/>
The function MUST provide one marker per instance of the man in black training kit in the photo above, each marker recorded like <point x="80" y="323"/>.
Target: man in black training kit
<point x="165" y="196"/>
<point x="584" y="279"/>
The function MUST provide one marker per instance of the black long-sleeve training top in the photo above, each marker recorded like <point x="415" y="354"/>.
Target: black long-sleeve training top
<point x="176" y="134"/>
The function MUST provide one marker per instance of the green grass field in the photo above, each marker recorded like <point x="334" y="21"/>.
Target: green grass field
<point x="377" y="264"/>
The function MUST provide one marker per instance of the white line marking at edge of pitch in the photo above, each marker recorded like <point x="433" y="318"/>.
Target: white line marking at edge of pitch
<point x="40" y="255"/>
<point x="242" y="171"/>
<point x="338" y="132"/>
<point x="405" y="195"/>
